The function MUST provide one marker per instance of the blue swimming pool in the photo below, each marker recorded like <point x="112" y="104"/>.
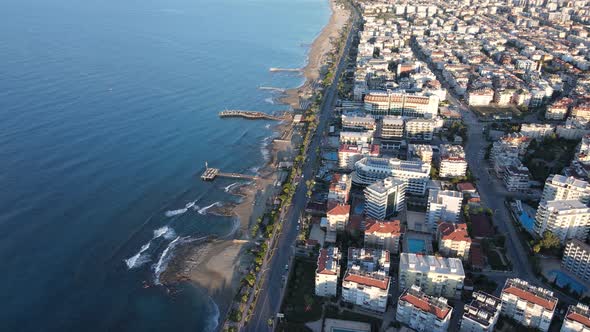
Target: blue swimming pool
<point x="562" y="279"/>
<point x="358" y="209"/>
<point x="416" y="246"/>
<point x="526" y="221"/>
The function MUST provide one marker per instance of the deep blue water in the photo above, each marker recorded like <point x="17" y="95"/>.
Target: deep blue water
<point x="416" y="246"/>
<point x="108" y="112"/>
<point x="563" y="279"/>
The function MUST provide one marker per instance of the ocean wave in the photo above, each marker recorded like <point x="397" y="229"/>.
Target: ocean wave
<point x="160" y="266"/>
<point x="214" y="319"/>
<point x="138" y="259"/>
<point x="172" y="213"/>
<point x="166" y="231"/>
<point x="204" y="210"/>
<point x="270" y="100"/>
<point x="267" y="126"/>
<point x="228" y="188"/>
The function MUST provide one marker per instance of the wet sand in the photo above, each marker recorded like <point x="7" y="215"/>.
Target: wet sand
<point x="218" y="265"/>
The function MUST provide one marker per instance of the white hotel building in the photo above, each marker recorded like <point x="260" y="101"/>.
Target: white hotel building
<point x="369" y="170"/>
<point x="422" y="312"/>
<point x="408" y="105"/>
<point x="529" y="305"/>
<point x="576" y="259"/>
<point x="327" y="272"/>
<point x="567" y="219"/>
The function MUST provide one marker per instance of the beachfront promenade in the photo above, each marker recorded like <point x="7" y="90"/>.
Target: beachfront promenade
<point x="270" y="297"/>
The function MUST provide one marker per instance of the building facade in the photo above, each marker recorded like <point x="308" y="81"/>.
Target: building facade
<point x="443" y="205"/>
<point x="567" y="219"/>
<point x="383" y="234"/>
<point x="559" y="187"/>
<point x="576" y="259"/>
<point x="327" y="273"/>
<point x="422" y="312"/>
<point x="385" y="198"/>
<point x="436" y="276"/>
<point x="529" y="305"/>
<point x="416" y="173"/>
<point x="452" y="161"/>
<point x="577" y="319"/>
<point x="481" y="315"/>
<point x="453" y="240"/>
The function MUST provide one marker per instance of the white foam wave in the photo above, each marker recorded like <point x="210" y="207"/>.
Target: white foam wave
<point x="214" y="320"/>
<point x="228" y="188"/>
<point x="204" y="210"/>
<point x="270" y="100"/>
<point x="173" y="213"/>
<point x="163" y="261"/>
<point x="138" y="259"/>
<point x="267" y="126"/>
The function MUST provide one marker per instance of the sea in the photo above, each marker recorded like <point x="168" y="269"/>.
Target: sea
<point x="108" y="113"/>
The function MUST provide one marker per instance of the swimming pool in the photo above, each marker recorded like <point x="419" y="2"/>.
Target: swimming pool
<point x="416" y="246"/>
<point x="562" y="279"/>
<point x="526" y="221"/>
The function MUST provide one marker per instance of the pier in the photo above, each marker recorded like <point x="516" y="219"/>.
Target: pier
<point x="252" y="115"/>
<point x="289" y="70"/>
<point x="211" y="173"/>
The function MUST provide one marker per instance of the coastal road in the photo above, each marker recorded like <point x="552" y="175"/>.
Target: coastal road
<point x="269" y="298"/>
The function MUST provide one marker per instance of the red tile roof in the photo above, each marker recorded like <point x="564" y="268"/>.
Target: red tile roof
<point x="322" y="259"/>
<point x="381" y="226"/>
<point x="465" y="186"/>
<point x="530" y="297"/>
<point x="424" y="305"/>
<point x="579" y="318"/>
<point x="453" y="232"/>
<point x="340" y="210"/>
<point x="367" y="280"/>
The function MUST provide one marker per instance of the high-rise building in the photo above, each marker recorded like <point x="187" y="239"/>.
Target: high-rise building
<point x="392" y="127"/>
<point x="559" y="187"/>
<point x="481" y="314"/>
<point x="408" y="105"/>
<point x="576" y="259"/>
<point x="577" y="319"/>
<point x="443" y="205"/>
<point x="437" y="276"/>
<point x="422" y="312"/>
<point x="327" y="272"/>
<point x="385" y="198"/>
<point x="339" y="188"/>
<point x="567" y="219"/>
<point x="366" y="282"/>
<point x="416" y="173"/>
<point x="529" y="305"/>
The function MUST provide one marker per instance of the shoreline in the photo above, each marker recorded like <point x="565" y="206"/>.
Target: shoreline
<point x="218" y="265"/>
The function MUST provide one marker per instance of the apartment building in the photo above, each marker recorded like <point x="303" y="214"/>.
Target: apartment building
<point x="422" y="152"/>
<point x="366" y="282"/>
<point x="421" y="129"/>
<point x="480" y="97"/>
<point x="367" y="290"/>
<point x="559" y="187"/>
<point x="452" y="161"/>
<point x="567" y="219"/>
<point x="339" y="188"/>
<point x="436" y="276"/>
<point x="356" y="137"/>
<point x="422" y="312"/>
<point x="393" y="103"/>
<point x="537" y="130"/>
<point x="348" y="155"/>
<point x="558" y="110"/>
<point x="358" y="123"/>
<point x="481" y="315"/>
<point x="392" y="127"/>
<point x="368" y="170"/>
<point x="335" y="220"/>
<point x="577" y="319"/>
<point x="576" y="259"/>
<point x="453" y="240"/>
<point x="327" y="273"/>
<point x="383" y="234"/>
<point x="443" y="205"/>
<point x="529" y="305"/>
<point x="385" y="198"/>
<point x="516" y="177"/>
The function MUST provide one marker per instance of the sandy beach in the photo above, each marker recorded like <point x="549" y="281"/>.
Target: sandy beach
<point x="218" y="265"/>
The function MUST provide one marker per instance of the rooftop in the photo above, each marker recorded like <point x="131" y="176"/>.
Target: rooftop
<point x="579" y="313"/>
<point x="530" y="293"/>
<point x="453" y="232"/>
<point x="425" y="303"/>
<point x="373" y="226"/>
<point x="426" y="264"/>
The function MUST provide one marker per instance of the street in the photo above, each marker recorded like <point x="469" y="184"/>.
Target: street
<point x="269" y="298"/>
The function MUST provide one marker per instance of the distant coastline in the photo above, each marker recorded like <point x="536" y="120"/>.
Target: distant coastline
<point x="217" y="265"/>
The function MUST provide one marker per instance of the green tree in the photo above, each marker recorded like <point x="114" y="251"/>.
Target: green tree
<point x="550" y="241"/>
